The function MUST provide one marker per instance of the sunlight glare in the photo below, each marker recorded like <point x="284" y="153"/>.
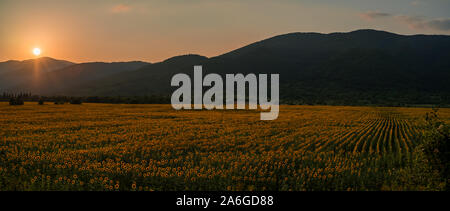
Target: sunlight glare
<point x="36" y="51"/>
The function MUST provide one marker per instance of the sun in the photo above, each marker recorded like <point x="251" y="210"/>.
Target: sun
<point x="37" y="51"/>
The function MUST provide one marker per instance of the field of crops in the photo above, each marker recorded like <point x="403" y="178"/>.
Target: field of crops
<point x="153" y="147"/>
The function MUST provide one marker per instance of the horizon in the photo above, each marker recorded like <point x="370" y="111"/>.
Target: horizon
<point x="153" y="62"/>
<point x="156" y="30"/>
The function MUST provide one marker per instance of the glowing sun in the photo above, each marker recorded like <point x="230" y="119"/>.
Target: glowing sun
<point x="37" y="51"/>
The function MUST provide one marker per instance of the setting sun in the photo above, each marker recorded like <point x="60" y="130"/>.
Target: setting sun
<point x="36" y="51"/>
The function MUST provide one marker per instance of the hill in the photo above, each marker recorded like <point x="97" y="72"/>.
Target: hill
<point x="355" y="68"/>
<point x="152" y="79"/>
<point x="13" y="72"/>
<point x="58" y="82"/>
<point x="360" y="67"/>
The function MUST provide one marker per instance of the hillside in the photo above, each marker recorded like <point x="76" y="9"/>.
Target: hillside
<point x="58" y="82"/>
<point x="355" y="68"/>
<point x="148" y="80"/>
<point x="360" y="67"/>
<point x="13" y="73"/>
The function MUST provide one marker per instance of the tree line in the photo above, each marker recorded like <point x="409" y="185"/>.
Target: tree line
<point x="21" y="97"/>
<point x="349" y="99"/>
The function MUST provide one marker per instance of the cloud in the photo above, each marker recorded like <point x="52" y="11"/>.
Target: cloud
<point x="121" y="8"/>
<point x="371" y="15"/>
<point x="416" y="22"/>
<point x="416" y="3"/>
<point x="440" y="24"/>
<point x="413" y="22"/>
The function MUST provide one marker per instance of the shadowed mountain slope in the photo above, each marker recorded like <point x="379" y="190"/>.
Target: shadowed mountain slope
<point x="13" y="73"/>
<point x="360" y="67"/>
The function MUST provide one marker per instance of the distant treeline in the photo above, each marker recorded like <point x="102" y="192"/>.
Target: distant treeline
<point x="391" y="98"/>
<point x="337" y="100"/>
<point x="151" y="99"/>
<point x="19" y="98"/>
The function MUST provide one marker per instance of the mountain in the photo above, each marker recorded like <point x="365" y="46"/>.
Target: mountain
<point x="148" y="80"/>
<point x="14" y="72"/>
<point x="359" y="67"/>
<point x="58" y="82"/>
<point x="45" y="64"/>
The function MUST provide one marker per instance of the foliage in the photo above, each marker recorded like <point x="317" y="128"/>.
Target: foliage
<point x="437" y="145"/>
<point x="16" y="101"/>
<point x="62" y="99"/>
<point x="151" y="99"/>
<point x="76" y="101"/>
<point x="15" y="98"/>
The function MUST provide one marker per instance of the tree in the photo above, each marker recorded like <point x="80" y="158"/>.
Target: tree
<point x="437" y="145"/>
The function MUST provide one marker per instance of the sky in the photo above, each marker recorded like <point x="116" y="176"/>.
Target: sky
<point x="154" y="30"/>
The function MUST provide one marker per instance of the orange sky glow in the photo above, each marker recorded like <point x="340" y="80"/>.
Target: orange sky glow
<point x="114" y="30"/>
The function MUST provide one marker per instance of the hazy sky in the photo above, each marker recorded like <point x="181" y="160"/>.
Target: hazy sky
<point x="154" y="30"/>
